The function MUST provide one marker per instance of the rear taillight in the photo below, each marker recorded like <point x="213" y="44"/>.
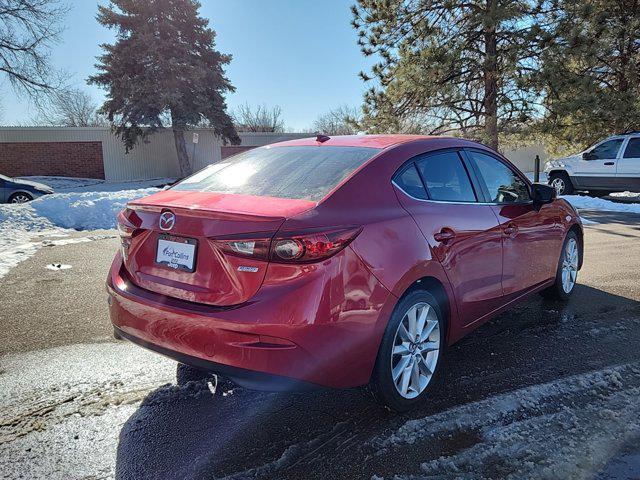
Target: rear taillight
<point x="291" y="247"/>
<point x="126" y="230"/>
<point x="247" y="248"/>
<point x="309" y="247"/>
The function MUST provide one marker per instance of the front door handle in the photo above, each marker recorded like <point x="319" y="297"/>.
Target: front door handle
<point x="510" y="230"/>
<point x="444" y="235"/>
<point x="609" y="163"/>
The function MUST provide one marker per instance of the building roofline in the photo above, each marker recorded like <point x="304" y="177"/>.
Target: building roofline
<point x="108" y="129"/>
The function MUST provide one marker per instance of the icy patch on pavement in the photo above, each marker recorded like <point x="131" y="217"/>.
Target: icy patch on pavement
<point x="63" y="408"/>
<point x="568" y="428"/>
<point x="57" y="266"/>
<point x="635" y="196"/>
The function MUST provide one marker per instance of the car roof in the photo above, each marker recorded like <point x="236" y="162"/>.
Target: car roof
<point x="369" y="141"/>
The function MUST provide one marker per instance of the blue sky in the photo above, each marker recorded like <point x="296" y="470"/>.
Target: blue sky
<point x="300" y="55"/>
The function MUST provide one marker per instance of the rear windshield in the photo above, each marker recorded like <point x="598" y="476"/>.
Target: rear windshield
<point x="305" y="172"/>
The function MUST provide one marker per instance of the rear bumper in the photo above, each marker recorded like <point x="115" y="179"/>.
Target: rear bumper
<point x="322" y="329"/>
<point x="244" y="378"/>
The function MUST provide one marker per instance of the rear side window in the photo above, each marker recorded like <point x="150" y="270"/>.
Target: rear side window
<point x="409" y="181"/>
<point x="446" y="177"/>
<point x="633" y="148"/>
<point x="304" y="172"/>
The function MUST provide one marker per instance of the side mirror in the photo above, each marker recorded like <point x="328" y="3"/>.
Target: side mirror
<point x="588" y="156"/>
<point x="543" y="194"/>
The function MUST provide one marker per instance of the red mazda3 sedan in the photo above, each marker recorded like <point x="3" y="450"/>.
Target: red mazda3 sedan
<point x="338" y="262"/>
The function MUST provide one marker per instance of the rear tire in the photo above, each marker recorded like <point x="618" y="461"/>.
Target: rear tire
<point x="567" y="271"/>
<point x="562" y="183"/>
<point x="409" y="361"/>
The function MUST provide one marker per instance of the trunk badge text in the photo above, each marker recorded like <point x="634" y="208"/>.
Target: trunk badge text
<point x="244" y="268"/>
<point x="167" y="221"/>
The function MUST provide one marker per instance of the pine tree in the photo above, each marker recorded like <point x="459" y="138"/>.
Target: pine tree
<point x="451" y="66"/>
<point x="591" y="71"/>
<point x="163" y="65"/>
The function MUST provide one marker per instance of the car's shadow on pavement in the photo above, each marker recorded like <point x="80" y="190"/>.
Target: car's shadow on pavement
<point x="184" y="432"/>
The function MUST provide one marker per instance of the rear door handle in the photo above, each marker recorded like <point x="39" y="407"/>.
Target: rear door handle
<point x="609" y="163"/>
<point x="444" y="235"/>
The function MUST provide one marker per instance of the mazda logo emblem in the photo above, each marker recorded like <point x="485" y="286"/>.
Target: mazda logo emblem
<point x="167" y="221"/>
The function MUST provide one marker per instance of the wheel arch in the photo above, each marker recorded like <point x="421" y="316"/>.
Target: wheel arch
<point x="580" y="234"/>
<point x="437" y="289"/>
<point x="560" y="171"/>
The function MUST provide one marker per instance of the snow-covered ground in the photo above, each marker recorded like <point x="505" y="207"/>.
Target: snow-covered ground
<point x="43" y="415"/>
<point x="568" y="428"/>
<point x="80" y="205"/>
<point x="589" y="203"/>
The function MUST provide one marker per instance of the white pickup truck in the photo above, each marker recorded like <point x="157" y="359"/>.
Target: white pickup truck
<point x="612" y="165"/>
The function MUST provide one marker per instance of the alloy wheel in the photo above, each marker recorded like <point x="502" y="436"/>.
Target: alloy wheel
<point x="415" y="350"/>
<point x="559" y="185"/>
<point x="570" y="265"/>
<point x="20" y="198"/>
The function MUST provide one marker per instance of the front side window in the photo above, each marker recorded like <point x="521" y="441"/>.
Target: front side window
<point x="633" y="148"/>
<point x="302" y="172"/>
<point x="446" y="178"/>
<point x="607" y="150"/>
<point x="503" y="184"/>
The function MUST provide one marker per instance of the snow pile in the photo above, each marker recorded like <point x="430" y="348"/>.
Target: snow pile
<point x="633" y="196"/>
<point x="590" y="203"/>
<point x="78" y="211"/>
<point x="568" y="428"/>
<point x="53" y="216"/>
<point x="85" y="211"/>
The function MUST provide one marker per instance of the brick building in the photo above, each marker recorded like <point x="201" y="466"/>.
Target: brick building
<point x="94" y="152"/>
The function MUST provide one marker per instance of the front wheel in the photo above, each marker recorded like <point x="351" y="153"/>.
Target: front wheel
<point x="561" y="182"/>
<point x="567" y="271"/>
<point x="409" y="358"/>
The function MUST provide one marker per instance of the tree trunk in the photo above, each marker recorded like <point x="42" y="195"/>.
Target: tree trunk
<point x="491" y="82"/>
<point x="181" y="150"/>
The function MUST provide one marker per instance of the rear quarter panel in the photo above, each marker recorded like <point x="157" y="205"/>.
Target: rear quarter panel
<point x="391" y="245"/>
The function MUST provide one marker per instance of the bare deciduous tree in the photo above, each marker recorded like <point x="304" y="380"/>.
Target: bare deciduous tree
<point x="27" y="29"/>
<point x="70" y="108"/>
<point x="258" y="119"/>
<point x="342" y="120"/>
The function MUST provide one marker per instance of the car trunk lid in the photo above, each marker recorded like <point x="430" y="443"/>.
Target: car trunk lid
<point x="215" y="277"/>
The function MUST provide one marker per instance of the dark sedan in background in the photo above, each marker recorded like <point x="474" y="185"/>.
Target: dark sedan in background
<point x="15" y="190"/>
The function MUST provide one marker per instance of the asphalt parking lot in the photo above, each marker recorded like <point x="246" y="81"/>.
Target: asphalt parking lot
<point x="547" y="390"/>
